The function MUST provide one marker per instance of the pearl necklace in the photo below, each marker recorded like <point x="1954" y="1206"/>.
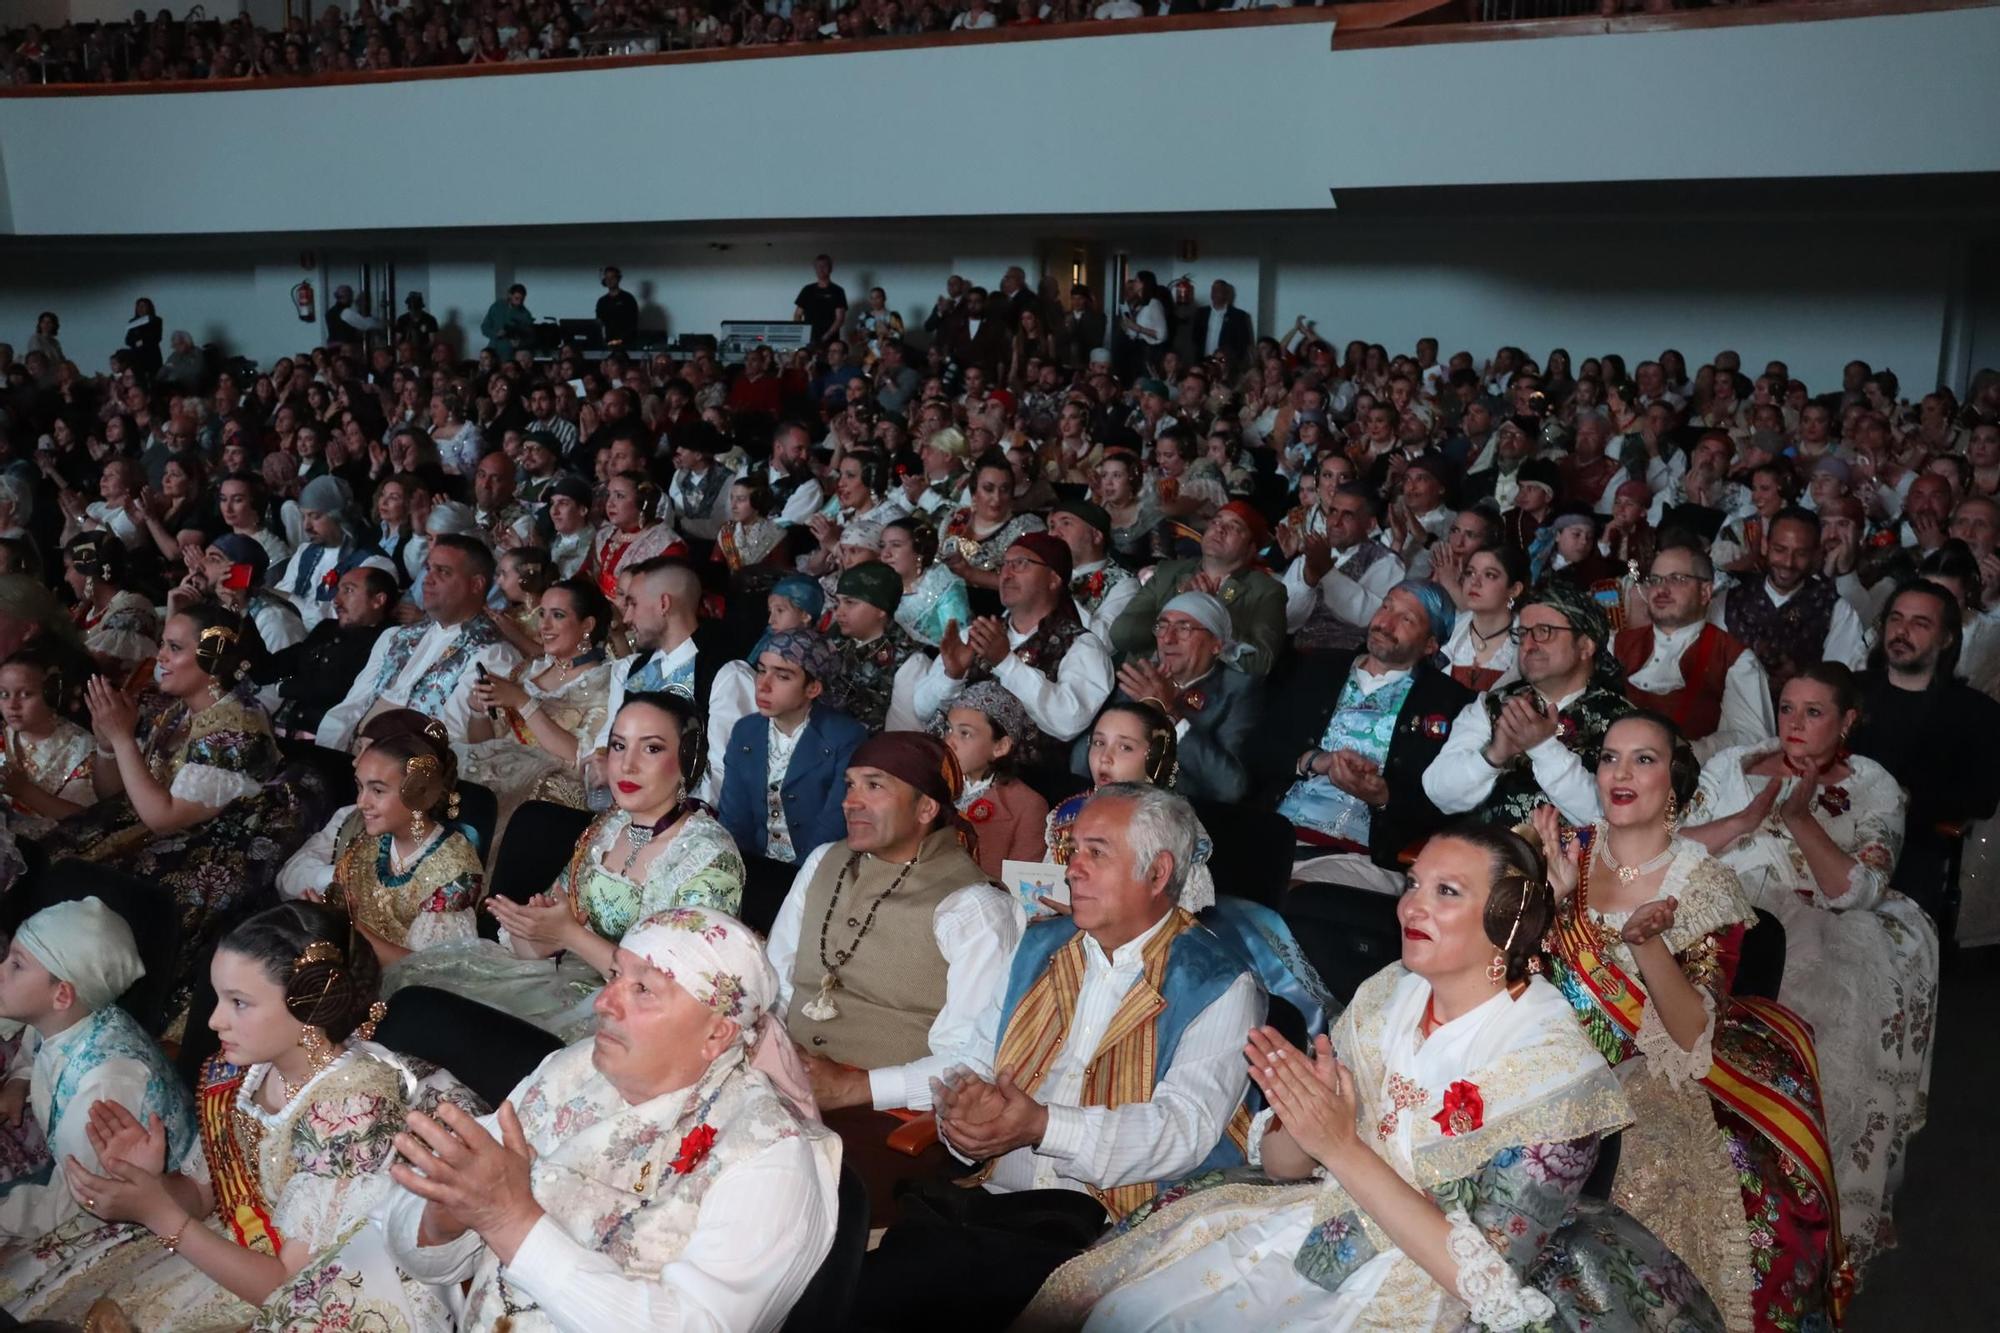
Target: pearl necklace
<point x="1626" y="874"/>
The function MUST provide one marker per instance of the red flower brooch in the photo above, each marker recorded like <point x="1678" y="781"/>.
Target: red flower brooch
<point x="1463" y="1112"/>
<point x="1436" y="726"/>
<point x="980" y="810"/>
<point x="1835" y="801"/>
<point x="694" y="1148"/>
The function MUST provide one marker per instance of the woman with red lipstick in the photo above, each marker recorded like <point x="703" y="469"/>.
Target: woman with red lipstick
<point x="1645" y="951"/>
<point x="1813" y="832"/>
<point x="1432" y="1155"/>
<point x="657" y="850"/>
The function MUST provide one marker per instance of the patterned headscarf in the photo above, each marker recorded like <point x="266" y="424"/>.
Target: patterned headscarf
<point x="1585" y="616"/>
<point x="997" y="702"/>
<point x="807" y="651"/>
<point x="802" y="592"/>
<point x="720" y="962"/>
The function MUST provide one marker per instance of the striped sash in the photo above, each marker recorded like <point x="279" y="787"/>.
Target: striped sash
<point x="238" y="1199"/>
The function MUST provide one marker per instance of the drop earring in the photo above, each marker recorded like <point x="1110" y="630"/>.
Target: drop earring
<point x="319" y="1051"/>
<point x="1496" y="971"/>
<point x="1673" y="820"/>
<point x="416" y="825"/>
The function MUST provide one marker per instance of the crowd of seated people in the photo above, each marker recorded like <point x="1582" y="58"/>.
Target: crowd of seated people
<point x="984" y="757"/>
<point x="431" y="34"/>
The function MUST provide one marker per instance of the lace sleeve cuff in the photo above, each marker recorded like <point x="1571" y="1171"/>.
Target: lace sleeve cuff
<point x="1664" y="1056"/>
<point x="204" y="784"/>
<point x="1491" y="1291"/>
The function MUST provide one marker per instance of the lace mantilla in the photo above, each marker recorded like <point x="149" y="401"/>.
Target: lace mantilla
<point x="205" y="784"/>
<point x="1487" y="1285"/>
<point x="1664" y="1057"/>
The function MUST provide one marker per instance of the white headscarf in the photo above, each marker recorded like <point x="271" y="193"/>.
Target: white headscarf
<point x="86" y="944"/>
<point x="1208" y="611"/>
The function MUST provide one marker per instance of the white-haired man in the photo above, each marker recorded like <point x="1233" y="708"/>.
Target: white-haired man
<point x="1086" y="1100"/>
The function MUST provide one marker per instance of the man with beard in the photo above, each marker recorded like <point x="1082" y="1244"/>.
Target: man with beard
<point x="1792" y="617"/>
<point x="1538" y="738"/>
<point x="1691" y="670"/>
<point x="1346" y="746"/>
<point x="1933" y="732"/>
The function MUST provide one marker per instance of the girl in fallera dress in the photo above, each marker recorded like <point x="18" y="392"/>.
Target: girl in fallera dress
<point x="48" y="757"/>
<point x="1422" y="1169"/>
<point x="296" y="1119"/>
<point x="657" y="849"/>
<point x="410" y="881"/>
<point x="1645" y="950"/>
<point x="983" y="729"/>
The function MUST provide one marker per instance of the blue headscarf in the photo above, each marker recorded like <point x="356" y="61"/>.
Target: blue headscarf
<point x="801" y="591"/>
<point x="1437" y="606"/>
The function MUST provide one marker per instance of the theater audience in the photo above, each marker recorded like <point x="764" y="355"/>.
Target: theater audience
<point x="313" y="674"/>
<point x="1792" y="616"/>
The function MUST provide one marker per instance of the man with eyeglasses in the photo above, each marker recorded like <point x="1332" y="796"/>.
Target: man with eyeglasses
<point x="1792" y="617"/>
<point x="1040" y="649"/>
<point x="1695" y="672"/>
<point x="1537" y="739"/>
<point x="1227" y="569"/>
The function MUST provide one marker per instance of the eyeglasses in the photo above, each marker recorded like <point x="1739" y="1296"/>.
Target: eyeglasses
<point x="1174" y="629"/>
<point x="1675" y="581"/>
<point x="1017" y="563"/>
<point x="1539" y="633"/>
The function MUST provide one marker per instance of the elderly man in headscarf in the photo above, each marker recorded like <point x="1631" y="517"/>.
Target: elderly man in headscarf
<point x="1194" y="678"/>
<point x="62" y="978"/>
<point x="1538" y="738"/>
<point x="892" y="941"/>
<point x="1228" y="568"/>
<point x="668" y="1173"/>
<point x="1344" y="750"/>
<point x="1111" y="1067"/>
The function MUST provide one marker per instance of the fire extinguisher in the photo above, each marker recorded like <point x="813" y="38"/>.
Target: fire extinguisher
<point x="302" y="297"/>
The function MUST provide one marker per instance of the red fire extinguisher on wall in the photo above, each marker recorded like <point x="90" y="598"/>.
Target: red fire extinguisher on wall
<point x="302" y="298"/>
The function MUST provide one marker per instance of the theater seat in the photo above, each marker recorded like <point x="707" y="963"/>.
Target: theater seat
<point x="1760" y="971"/>
<point x="829" y="1298"/>
<point x="541" y="838"/>
<point x="1605" y="1173"/>
<point x="1253" y="851"/>
<point x="478" y="812"/>
<point x="487" y="1050"/>
<point x="1348" y="934"/>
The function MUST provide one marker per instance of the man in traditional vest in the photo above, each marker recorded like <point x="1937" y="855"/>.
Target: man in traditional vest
<point x="1695" y="672"/>
<point x="432" y="665"/>
<point x="1039" y="650"/>
<point x="1538" y="739"/>
<point x="892" y="941"/>
<point x="880" y="662"/>
<point x="1111" y="1067"/>
<point x="1792" y="617"/>
<point x="1336" y="585"/>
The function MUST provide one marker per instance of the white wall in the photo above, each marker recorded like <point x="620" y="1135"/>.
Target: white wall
<point x="1813" y="296"/>
<point x="787" y="138"/>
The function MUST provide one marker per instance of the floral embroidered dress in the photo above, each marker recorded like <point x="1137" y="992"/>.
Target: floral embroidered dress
<point x="515" y="765"/>
<point x="1752" y="1212"/>
<point x="1496" y="1115"/>
<point x="304" y="1176"/>
<point x="626" y="1181"/>
<point x="422" y="905"/>
<point x="614" y="548"/>
<point x="982" y="550"/>
<point x="1861" y="967"/>
<point x="939" y="597"/>
<point x="700" y="868"/>
<point x="223" y="756"/>
<point x="58" y="764"/>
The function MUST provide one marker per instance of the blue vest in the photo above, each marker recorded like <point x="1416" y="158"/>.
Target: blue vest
<point x="1199" y="969"/>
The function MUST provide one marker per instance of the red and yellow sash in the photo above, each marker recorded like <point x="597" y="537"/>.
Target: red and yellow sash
<point x="1793" y="1127"/>
<point x="238" y="1200"/>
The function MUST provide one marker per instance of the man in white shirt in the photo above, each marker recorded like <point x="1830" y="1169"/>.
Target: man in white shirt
<point x="61" y="980"/>
<point x="1792" y="617"/>
<point x="1040" y="650"/>
<point x="1079" y="1108"/>
<point x="647" y="1179"/>
<point x="1101" y="590"/>
<point x="790" y="474"/>
<point x="879" y="1011"/>
<point x="662" y="608"/>
<point x="1336" y="584"/>
<point x="1695" y="672"/>
<point x="431" y="666"/>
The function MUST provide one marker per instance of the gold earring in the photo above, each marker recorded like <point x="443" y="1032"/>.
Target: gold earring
<point x="319" y="1051"/>
<point x="1673" y="820"/>
<point x="1496" y="971"/>
<point x="416" y="824"/>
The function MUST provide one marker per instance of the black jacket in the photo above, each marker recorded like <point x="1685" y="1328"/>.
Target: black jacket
<point x="1237" y="331"/>
<point x="1296" y="721"/>
<point x="315" y="673"/>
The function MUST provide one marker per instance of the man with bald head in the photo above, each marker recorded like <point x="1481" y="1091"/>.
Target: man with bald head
<point x="670" y="650"/>
<point x="503" y="518"/>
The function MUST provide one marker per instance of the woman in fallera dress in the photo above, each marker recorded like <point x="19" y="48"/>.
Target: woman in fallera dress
<point x="1430" y="1158"/>
<point x="295" y="1120"/>
<point x="1813" y="833"/>
<point x="656" y="850"/>
<point x="1645" y="951"/>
